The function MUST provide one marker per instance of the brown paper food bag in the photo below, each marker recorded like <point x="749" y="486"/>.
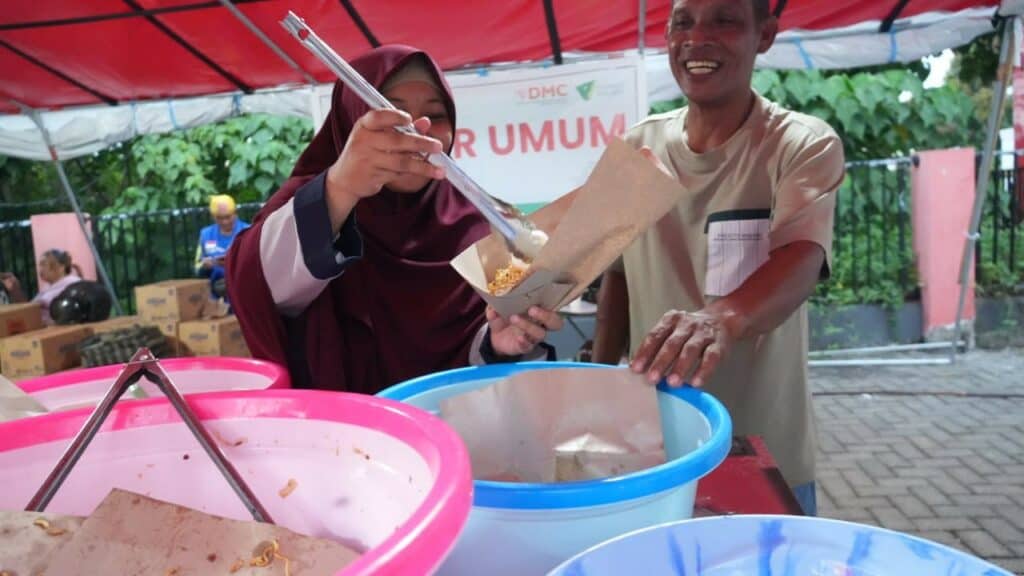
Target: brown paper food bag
<point x="623" y="196"/>
<point x="29" y="539"/>
<point x="132" y="535"/>
<point x="559" y="425"/>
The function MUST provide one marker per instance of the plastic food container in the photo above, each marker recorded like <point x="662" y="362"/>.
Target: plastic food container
<point x="87" y="386"/>
<point x="771" y="546"/>
<point x="384" y="477"/>
<point x="517" y="528"/>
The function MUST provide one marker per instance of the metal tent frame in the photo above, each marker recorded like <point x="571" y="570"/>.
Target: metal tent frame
<point x="1007" y="52"/>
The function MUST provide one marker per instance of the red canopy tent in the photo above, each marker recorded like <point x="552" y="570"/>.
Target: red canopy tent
<point x="69" y="53"/>
<point x="58" y="53"/>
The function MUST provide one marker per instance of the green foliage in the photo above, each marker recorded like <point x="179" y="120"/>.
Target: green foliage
<point x="867" y="112"/>
<point x="246" y="156"/>
<point x="976" y="63"/>
<point x="997" y="273"/>
<point x="873" y="258"/>
<point x="865" y="109"/>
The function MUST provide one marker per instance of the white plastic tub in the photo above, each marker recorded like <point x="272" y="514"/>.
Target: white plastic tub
<point x="772" y="546"/>
<point x="87" y="386"/>
<point x="526" y="529"/>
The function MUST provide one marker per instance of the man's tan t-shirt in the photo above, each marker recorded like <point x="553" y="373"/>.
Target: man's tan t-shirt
<point x="772" y="183"/>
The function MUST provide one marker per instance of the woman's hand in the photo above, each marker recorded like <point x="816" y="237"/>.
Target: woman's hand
<point x="519" y="335"/>
<point x="375" y="155"/>
<point x="13" y="287"/>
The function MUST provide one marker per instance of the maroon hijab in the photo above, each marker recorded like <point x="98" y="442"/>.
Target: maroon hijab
<point x="400" y="311"/>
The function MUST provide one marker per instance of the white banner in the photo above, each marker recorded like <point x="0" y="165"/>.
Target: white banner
<point x="529" y="136"/>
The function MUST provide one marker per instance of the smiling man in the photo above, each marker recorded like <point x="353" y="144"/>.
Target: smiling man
<point x="714" y="294"/>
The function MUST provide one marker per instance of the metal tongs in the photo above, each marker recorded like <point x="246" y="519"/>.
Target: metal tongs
<point x="520" y="234"/>
<point x="144" y="365"/>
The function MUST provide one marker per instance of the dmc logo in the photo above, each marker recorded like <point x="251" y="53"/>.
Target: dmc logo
<point x="546" y="92"/>
<point x="586" y="89"/>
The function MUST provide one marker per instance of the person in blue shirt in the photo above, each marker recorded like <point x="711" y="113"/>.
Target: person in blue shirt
<point x="214" y="241"/>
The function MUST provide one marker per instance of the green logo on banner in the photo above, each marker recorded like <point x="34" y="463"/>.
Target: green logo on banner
<point x="586" y="90"/>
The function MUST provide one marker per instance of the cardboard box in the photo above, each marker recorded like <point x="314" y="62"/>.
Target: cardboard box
<point x="216" y="337"/>
<point x="174" y="345"/>
<point x="119" y="323"/>
<point x="18" y="318"/>
<point x="172" y="300"/>
<point x="43" y="351"/>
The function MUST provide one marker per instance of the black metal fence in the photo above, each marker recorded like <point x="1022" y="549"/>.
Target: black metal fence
<point x="999" y="255"/>
<point x="872" y="246"/>
<point x="136" y="248"/>
<point x="143" y="248"/>
<point x="873" y="259"/>
<point x="16" y="254"/>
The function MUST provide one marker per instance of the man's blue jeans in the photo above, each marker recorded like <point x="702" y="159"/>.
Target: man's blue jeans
<point x="805" y="495"/>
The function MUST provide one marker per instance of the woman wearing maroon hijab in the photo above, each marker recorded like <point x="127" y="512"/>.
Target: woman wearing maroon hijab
<point x="344" y="274"/>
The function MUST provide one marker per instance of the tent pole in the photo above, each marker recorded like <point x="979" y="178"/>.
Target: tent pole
<point x="266" y="40"/>
<point x="641" y="40"/>
<point x="1006" y="57"/>
<point x="74" y="204"/>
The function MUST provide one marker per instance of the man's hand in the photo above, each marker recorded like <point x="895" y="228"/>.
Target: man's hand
<point x="685" y="343"/>
<point x="519" y="335"/>
<point x="207" y="263"/>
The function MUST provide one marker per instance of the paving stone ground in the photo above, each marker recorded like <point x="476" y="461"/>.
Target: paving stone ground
<point x="936" y="451"/>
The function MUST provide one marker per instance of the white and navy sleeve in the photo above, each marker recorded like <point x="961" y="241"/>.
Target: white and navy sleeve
<point x="300" y="253"/>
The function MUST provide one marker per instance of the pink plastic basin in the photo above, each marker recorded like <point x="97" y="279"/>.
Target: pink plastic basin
<point x="387" y="478"/>
<point x="86" y="387"/>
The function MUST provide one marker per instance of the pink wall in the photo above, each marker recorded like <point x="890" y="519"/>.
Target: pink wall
<point x="943" y="194"/>
<point x="62" y="231"/>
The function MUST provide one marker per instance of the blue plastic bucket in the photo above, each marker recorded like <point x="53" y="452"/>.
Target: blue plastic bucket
<point x="772" y="546"/>
<point x="521" y="528"/>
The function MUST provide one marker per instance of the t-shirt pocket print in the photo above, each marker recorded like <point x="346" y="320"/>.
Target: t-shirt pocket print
<point x="738" y="245"/>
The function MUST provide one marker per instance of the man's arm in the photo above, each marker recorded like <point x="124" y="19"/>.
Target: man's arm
<point x="612" y="331"/>
<point x="773" y="292"/>
<point x="200" y="266"/>
<point x="685" y="343"/>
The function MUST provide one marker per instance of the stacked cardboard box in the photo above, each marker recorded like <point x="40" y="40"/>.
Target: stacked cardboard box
<point x="167" y="304"/>
<point x="213" y="337"/>
<point x="16" y="319"/>
<point x="41" y="352"/>
<point x="115" y="324"/>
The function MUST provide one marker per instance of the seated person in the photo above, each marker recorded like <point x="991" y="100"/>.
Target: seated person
<point x="214" y="241"/>
<point x="56" y="270"/>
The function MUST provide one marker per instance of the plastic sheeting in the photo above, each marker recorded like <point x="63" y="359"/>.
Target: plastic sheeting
<point x="150" y="63"/>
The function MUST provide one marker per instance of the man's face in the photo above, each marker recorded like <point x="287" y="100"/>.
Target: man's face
<point x="225" y="219"/>
<point x="712" y="46"/>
